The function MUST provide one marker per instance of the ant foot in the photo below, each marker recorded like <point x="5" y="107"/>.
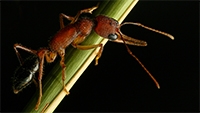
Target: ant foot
<point x="96" y="61"/>
<point x="89" y="10"/>
<point x="67" y="92"/>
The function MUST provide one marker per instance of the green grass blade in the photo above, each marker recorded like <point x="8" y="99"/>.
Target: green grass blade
<point x="52" y="85"/>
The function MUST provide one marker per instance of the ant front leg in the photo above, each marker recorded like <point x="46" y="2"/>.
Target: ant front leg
<point x="86" y="47"/>
<point x="78" y="40"/>
<point x="74" y="19"/>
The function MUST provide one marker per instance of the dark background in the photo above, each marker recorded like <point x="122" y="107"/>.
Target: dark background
<point x="118" y="83"/>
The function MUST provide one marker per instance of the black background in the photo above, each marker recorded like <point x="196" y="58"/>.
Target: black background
<point x="118" y="83"/>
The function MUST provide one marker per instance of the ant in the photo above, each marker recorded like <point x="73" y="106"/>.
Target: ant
<point x="74" y="33"/>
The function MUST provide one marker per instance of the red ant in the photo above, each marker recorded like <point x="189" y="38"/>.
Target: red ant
<point x="73" y="34"/>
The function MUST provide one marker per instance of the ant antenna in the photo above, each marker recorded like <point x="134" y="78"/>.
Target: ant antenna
<point x="130" y="52"/>
<point x="149" y="28"/>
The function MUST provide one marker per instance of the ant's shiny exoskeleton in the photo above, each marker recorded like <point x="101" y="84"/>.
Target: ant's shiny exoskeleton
<point x="73" y="34"/>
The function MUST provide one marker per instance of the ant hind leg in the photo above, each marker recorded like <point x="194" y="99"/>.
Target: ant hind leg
<point x="41" y="54"/>
<point x="23" y="48"/>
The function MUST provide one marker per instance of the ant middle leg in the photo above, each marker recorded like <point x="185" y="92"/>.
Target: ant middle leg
<point x="62" y="64"/>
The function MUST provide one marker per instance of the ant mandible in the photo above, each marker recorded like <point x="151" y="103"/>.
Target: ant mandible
<point x="74" y="34"/>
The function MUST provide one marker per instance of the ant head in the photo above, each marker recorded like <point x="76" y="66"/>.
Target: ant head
<point x="106" y="27"/>
<point x="110" y="28"/>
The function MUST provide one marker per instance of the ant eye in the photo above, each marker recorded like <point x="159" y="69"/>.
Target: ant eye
<point x="112" y="36"/>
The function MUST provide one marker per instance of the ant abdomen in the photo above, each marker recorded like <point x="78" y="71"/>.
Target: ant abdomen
<point x="25" y="73"/>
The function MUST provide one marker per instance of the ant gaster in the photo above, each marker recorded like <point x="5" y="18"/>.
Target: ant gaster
<point x="73" y="34"/>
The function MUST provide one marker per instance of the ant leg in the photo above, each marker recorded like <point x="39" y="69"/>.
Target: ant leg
<point x="88" y="10"/>
<point x="74" y="19"/>
<point x="23" y="48"/>
<point x="41" y="54"/>
<point x="35" y="82"/>
<point x="61" y="19"/>
<point x="62" y="64"/>
<point x="86" y="47"/>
